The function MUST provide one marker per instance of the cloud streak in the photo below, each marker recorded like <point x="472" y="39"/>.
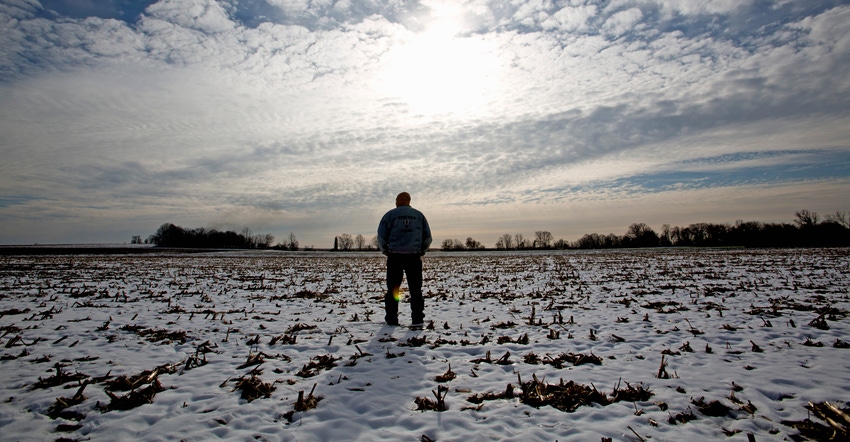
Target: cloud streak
<point x="310" y="116"/>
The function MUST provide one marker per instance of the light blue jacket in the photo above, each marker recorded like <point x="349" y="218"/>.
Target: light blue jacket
<point x="404" y="230"/>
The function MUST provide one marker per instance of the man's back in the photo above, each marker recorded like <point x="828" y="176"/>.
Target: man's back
<point x="404" y="230"/>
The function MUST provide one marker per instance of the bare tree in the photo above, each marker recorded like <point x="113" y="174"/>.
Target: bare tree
<point x="375" y="243"/>
<point x="453" y="244"/>
<point x="519" y="241"/>
<point x="246" y="233"/>
<point x="806" y="218"/>
<point x="675" y="235"/>
<point x="264" y="240"/>
<point x="839" y="217"/>
<point x="472" y="244"/>
<point x="665" y="238"/>
<point x="641" y="235"/>
<point x="507" y="241"/>
<point x="359" y="242"/>
<point x="293" y="242"/>
<point x="612" y="240"/>
<point x="345" y="241"/>
<point x="543" y="239"/>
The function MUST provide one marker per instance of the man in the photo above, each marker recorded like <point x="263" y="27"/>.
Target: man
<point x="404" y="236"/>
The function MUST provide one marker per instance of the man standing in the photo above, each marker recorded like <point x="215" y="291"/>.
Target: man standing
<point x="404" y="236"/>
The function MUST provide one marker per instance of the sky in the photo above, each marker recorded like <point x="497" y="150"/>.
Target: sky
<point x="309" y="116"/>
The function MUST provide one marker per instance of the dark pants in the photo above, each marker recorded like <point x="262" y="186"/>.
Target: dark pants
<point x="399" y="265"/>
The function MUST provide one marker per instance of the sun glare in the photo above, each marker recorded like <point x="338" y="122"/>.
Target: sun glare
<point x="439" y="72"/>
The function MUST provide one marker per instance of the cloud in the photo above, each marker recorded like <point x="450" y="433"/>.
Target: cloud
<point x="207" y="16"/>
<point x="20" y="9"/>
<point x="571" y="18"/>
<point x="623" y="22"/>
<point x="685" y="7"/>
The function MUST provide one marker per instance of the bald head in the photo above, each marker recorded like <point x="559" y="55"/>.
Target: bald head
<point x="403" y="199"/>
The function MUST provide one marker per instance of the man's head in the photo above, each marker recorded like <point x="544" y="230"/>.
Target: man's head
<point x="403" y="199"/>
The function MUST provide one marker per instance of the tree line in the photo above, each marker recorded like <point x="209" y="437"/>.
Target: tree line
<point x="807" y="230"/>
<point x="542" y="240"/>
<point x="347" y="242"/>
<point x="170" y="235"/>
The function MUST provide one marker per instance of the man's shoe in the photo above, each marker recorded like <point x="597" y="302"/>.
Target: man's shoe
<point x="417" y="326"/>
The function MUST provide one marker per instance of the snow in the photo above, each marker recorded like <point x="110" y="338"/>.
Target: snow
<point x="101" y="315"/>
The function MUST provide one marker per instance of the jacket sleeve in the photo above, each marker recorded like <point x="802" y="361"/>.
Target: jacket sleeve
<point x="383" y="230"/>
<point x="426" y="235"/>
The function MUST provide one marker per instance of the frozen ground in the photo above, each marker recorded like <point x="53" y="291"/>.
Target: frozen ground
<point x="221" y="345"/>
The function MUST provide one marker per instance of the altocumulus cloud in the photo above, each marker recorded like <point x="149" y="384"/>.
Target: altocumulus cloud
<point x="286" y="116"/>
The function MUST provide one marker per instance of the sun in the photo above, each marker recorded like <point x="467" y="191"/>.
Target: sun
<point x="440" y="72"/>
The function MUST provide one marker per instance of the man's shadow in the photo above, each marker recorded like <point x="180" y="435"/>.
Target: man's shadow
<point x="376" y="389"/>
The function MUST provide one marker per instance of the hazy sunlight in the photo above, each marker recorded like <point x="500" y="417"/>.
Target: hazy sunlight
<point x="438" y="72"/>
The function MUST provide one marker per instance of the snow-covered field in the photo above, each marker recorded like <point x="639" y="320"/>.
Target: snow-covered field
<point x="629" y="345"/>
